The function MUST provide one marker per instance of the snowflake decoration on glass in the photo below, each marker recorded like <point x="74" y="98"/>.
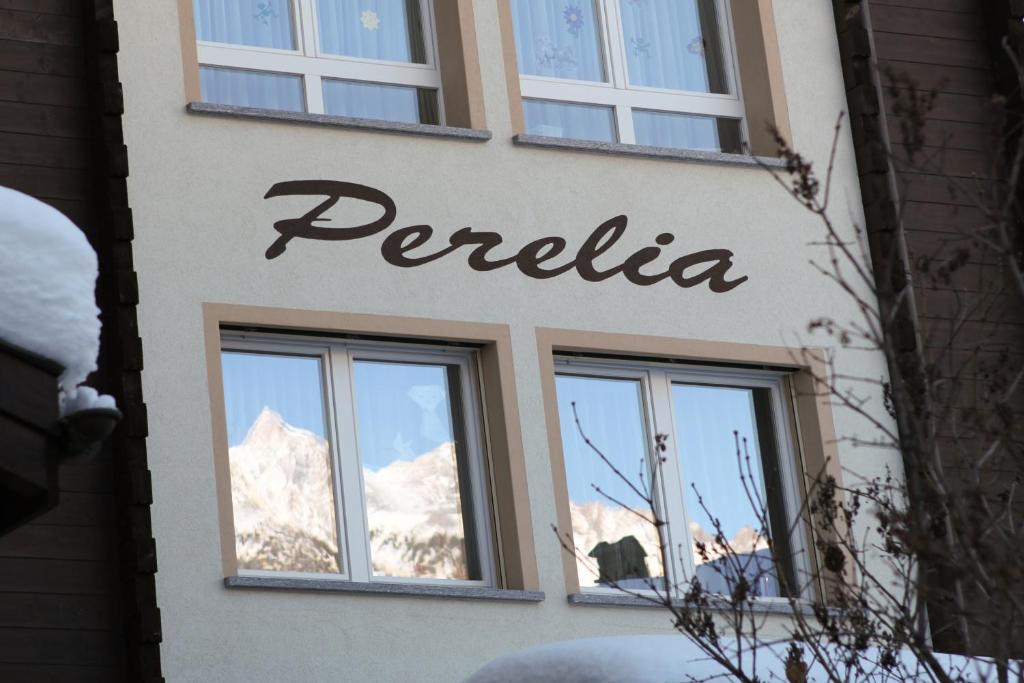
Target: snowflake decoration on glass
<point x="547" y="55"/>
<point x="641" y="46"/>
<point x="696" y="46"/>
<point x="369" y="20"/>
<point x="573" y="16"/>
<point x="265" y="12"/>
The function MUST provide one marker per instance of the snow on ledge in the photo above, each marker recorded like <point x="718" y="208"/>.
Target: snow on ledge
<point x="47" y="287"/>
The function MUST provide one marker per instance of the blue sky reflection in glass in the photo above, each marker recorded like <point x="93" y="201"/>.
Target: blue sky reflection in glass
<point x="706" y="417"/>
<point x="291" y="386"/>
<point x="611" y="415"/>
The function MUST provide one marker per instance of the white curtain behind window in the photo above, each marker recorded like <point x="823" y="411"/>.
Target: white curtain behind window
<point x="251" y="89"/>
<point x="673" y="44"/>
<point x="372" y="29"/>
<point x="559" y="39"/>
<point x="576" y="121"/>
<point x="262" y="23"/>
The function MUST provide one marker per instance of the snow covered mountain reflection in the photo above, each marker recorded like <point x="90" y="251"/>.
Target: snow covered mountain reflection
<point x="283" y="503"/>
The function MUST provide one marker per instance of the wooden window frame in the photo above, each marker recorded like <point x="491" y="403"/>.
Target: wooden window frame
<point x="351" y="523"/>
<point x="656" y="380"/>
<point x="756" y="71"/>
<point x="452" y="67"/>
<point x="514" y="560"/>
<point x="807" y="404"/>
<point x="622" y="96"/>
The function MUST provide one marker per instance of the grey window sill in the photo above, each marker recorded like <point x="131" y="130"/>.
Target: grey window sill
<point x="666" y="153"/>
<point x="626" y="600"/>
<point x="469" y="134"/>
<point x="380" y="588"/>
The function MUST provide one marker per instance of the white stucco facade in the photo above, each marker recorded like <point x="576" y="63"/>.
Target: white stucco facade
<point x="202" y="226"/>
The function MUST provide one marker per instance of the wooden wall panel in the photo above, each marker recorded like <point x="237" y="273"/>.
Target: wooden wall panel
<point x="61" y="601"/>
<point x="947" y="47"/>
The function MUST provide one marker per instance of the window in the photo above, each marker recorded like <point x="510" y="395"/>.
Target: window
<point x="360" y="461"/>
<point x="366" y="59"/>
<point x="649" y="72"/>
<point x="620" y="408"/>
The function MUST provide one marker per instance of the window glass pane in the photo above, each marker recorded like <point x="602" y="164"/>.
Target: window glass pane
<point x="686" y="131"/>
<point x="390" y="30"/>
<point x="281" y="484"/>
<point x="706" y="417"/>
<point x="558" y="39"/>
<point x="674" y="44"/>
<point x="413" y="450"/>
<point x="263" y="23"/>
<point x="251" y="88"/>
<point x="620" y="546"/>
<point x="384" y="102"/>
<point x="577" y="121"/>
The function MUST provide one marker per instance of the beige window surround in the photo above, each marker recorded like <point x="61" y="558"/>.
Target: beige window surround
<point x="459" y="62"/>
<point x="509" y="494"/>
<point x="758" y="62"/>
<point x="810" y="412"/>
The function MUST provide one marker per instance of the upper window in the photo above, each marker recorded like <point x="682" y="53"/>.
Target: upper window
<point x="371" y="59"/>
<point x="620" y="407"/>
<point x="649" y="72"/>
<point x="356" y="460"/>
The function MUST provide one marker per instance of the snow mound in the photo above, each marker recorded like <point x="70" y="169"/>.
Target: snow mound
<point x="47" y="286"/>
<point x="86" y="398"/>
<point x="620" y="659"/>
<point x="674" y="659"/>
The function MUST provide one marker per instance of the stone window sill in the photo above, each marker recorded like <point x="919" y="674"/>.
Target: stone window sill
<point x="468" y="134"/>
<point x="644" y="151"/>
<point x="625" y="600"/>
<point x="381" y="588"/>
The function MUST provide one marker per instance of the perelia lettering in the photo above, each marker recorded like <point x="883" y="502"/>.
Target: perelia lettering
<point x="709" y="265"/>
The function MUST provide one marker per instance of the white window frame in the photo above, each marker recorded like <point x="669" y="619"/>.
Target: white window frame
<point x="623" y="97"/>
<point x="656" y="380"/>
<point x="337" y="358"/>
<point x="313" y="65"/>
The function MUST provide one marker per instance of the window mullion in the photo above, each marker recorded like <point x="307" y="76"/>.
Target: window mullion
<point x="314" y="93"/>
<point x="468" y="407"/>
<point x="352" y="507"/>
<point x="790" y="465"/>
<point x="307" y="27"/>
<point x="624" y="124"/>
<point x="614" y="44"/>
<point x="672" y="484"/>
<point x="730" y="48"/>
<point x="728" y="40"/>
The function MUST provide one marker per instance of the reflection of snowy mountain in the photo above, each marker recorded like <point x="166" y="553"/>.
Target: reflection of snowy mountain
<point x="415" y="517"/>
<point x="746" y="540"/>
<point x="282" y="499"/>
<point x="597" y="521"/>
<point x="284" y="507"/>
<point x="284" y="512"/>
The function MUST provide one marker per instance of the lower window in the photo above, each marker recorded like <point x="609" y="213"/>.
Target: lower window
<point x="706" y="415"/>
<point x="359" y="460"/>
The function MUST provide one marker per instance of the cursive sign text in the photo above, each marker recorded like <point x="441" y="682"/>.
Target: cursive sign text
<point x="533" y="260"/>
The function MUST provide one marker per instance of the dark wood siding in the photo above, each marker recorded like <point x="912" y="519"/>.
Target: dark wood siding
<point x="940" y="54"/>
<point x="77" y="597"/>
<point x="945" y="48"/>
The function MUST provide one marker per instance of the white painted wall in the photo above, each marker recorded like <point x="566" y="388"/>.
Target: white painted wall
<point x="196" y="188"/>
